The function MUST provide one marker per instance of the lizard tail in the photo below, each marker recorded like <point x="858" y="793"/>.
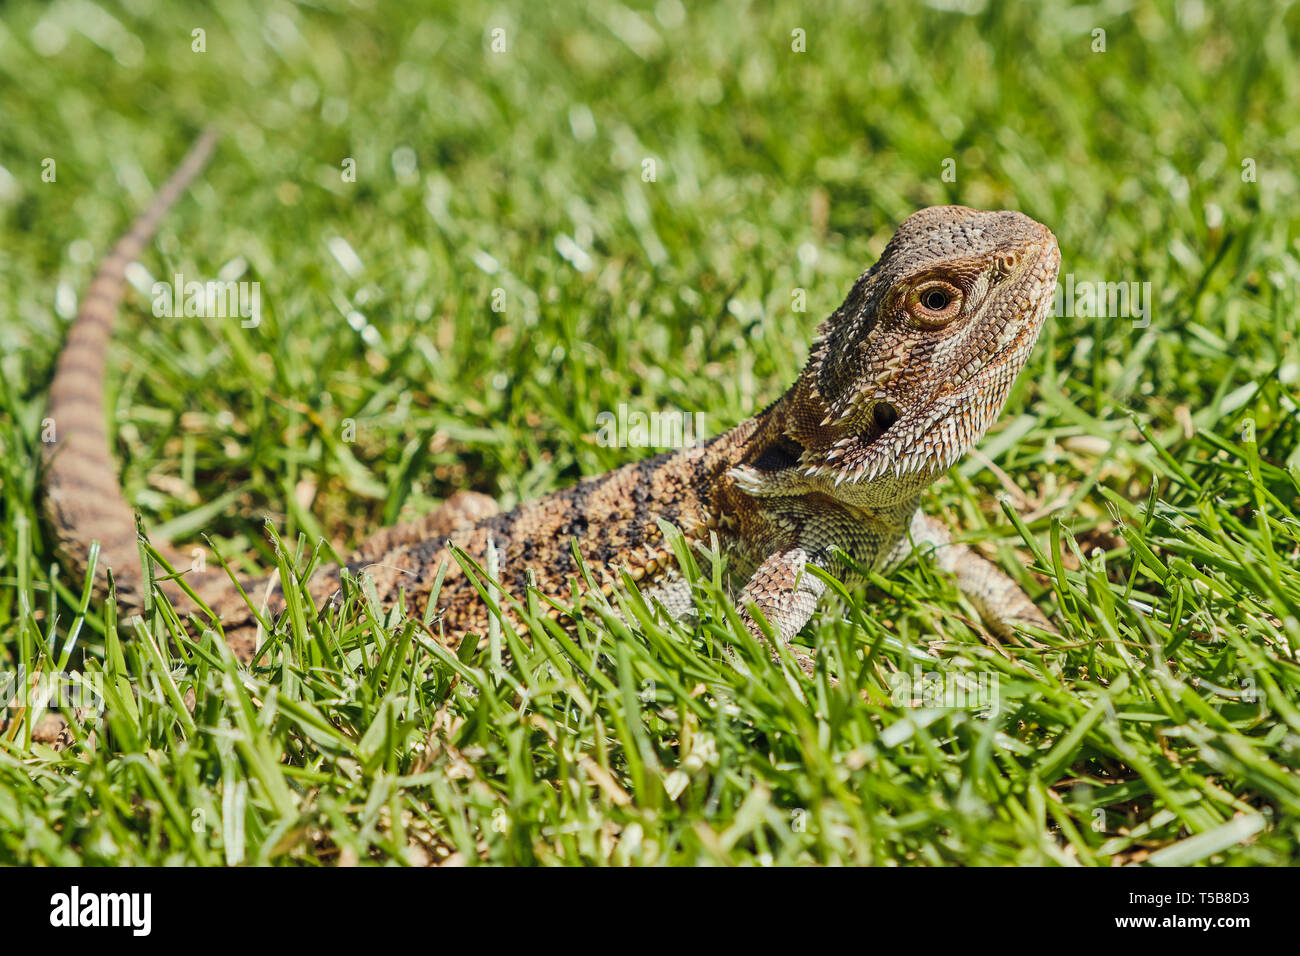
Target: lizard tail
<point x="83" y="499"/>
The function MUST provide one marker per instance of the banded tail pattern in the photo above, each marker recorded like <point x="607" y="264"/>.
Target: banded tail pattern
<point x="83" y="497"/>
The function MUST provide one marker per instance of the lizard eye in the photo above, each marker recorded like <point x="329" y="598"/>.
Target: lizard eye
<point x="935" y="300"/>
<point x="934" y="303"/>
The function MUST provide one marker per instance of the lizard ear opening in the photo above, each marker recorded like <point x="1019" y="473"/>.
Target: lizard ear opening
<point x="781" y="454"/>
<point x="884" y="415"/>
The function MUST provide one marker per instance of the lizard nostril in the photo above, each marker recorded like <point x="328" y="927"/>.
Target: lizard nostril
<point x="885" y="415"/>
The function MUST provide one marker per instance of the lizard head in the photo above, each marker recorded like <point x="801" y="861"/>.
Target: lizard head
<point x="916" y="364"/>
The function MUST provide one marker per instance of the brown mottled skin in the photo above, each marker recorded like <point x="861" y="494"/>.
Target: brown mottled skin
<point x="905" y="376"/>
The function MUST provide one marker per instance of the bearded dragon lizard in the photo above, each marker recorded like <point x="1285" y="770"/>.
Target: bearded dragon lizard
<point x="903" y="377"/>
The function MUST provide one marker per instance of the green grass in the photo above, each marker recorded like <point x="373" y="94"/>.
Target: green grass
<point x="1157" y="469"/>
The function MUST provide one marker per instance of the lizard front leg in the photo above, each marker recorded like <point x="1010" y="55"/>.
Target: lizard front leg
<point x="786" y="594"/>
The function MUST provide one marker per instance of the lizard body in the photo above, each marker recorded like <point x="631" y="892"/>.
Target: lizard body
<point x="903" y="377"/>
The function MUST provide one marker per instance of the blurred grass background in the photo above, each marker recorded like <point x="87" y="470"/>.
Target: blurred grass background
<point x="1165" y="525"/>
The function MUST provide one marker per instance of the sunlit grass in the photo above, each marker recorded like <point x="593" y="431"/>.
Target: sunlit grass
<point x="1151" y="475"/>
